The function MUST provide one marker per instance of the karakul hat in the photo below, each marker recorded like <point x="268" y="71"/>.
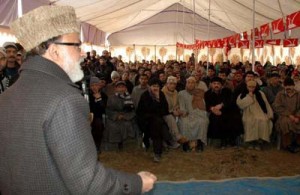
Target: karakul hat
<point x="275" y="74"/>
<point x="288" y="81"/>
<point x="238" y="72"/>
<point x="94" y="80"/>
<point x="154" y="81"/>
<point x="216" y="79"/>
<point x="44" y="23"/>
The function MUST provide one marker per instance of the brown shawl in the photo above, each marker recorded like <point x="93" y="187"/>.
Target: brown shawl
<point x="198" y="99"/>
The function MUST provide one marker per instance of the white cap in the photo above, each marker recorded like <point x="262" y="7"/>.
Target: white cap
<point x="9" y="44"/>
<point x="172" y="79"/>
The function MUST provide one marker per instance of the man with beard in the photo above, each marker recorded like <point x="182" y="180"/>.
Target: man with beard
<point x="273" y="87"/>
<point x="193" y="121"/>
<point x="218" y="104"/>
<point x="237" y="78"/>
<point x="48" y="148"/>
<point x="172" y="98"/>
<point x="226" y="83"/>
<point x="12" y="67"/>
<point x="106" y="55"/>
<point x="287" y="107"/>
<point x="102" y="70"/>
<point x="2" y="67"/>
<point x="271" y="91"/>
<point x="211" y="73"/>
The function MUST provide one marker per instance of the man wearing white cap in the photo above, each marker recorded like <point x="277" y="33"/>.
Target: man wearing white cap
<point x="172" y="98"/>
<point x="47" y="148"/>
<point x="2" y="67"/>
<point x="11" y="71"/>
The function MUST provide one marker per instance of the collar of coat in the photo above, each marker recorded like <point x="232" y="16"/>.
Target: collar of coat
<point x="41" y="64"/>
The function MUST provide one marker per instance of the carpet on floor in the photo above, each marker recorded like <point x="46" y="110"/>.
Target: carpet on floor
<point x="253" y="186"/>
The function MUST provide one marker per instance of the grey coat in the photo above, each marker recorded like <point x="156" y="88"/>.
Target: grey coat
<point x="46" y="142"/>
<point x="119" y="130"/>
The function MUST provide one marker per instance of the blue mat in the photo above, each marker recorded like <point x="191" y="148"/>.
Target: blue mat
<point x="281" y="185"/>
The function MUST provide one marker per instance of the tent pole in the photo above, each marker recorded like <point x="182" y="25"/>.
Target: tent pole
<point x="155" y="53"/>
<point x="253" y="36"/>
<point x="194" y="37"/>
<point x="208" y="35"/>
<point x="273" y="51"/>
<point x="20" y="8"/>
<point x="176" y="52"/>
<point x="134" y="53"/>
<point x="183" y="31"/>
<point x="177" y="30"/>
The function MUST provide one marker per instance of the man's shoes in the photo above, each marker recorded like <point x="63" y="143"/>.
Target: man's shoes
<point x="258" y="148"/>
<point x="200" y="146"/>
<point x="175" y="145"/>
<point x="120" y="146"/>
<point x="186" y="147"/>
<point x="293" y="149"/>
<point x="157" y="158"/>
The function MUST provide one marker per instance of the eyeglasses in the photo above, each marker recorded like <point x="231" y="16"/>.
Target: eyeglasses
<point x="69" y="44"/>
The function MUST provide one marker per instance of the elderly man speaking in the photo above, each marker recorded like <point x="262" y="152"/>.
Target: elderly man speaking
<point x="46" y="142"/>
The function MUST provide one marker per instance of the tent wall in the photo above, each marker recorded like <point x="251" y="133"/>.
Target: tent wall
<point x="274" y="54"/>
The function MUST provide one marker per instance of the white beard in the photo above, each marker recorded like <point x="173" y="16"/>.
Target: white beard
<point x="72" y="67"/>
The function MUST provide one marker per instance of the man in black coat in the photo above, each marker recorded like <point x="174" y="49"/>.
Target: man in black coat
<point x="219" y="104"/>
<point x="152" y="107"/>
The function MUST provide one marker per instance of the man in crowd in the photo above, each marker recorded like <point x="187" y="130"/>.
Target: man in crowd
<point x="197" y="74"/>
<point x="140" y="89"/>
<point x="172" y="98"/>
<point x="287" y="107"/>
<point x="2" y="67"/>
<point x="106" y="55"/>
<point x="136" y="95"/>
<point x="193" y="122"/>
<point x="102" y="69"/>
<point x="218" y="104"/>
<point x="97" y="101"/>
<point x="273" y="87"/>
<point x="237" y="78"/>
<point x="151" y="110"/>
<point x="211" y="73"/>
<point x="50" y="150"/>
<point x="12" y="66"/>
<point x="226" y="83"/>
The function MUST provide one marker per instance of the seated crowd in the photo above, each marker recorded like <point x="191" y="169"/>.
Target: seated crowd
<point x="173" y="104"/>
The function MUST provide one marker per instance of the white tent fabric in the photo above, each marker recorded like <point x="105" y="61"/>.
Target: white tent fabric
<point x="113" y="16"/>
<point x="9" y="12"/>
<point x="174" y="24"/>
<point x="234" y="15"/>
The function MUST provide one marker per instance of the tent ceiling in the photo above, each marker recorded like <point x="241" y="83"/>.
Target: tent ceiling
<point x="121" y="17"/>
<point x="174" y="24"/>
<point x="235" y="15"/>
